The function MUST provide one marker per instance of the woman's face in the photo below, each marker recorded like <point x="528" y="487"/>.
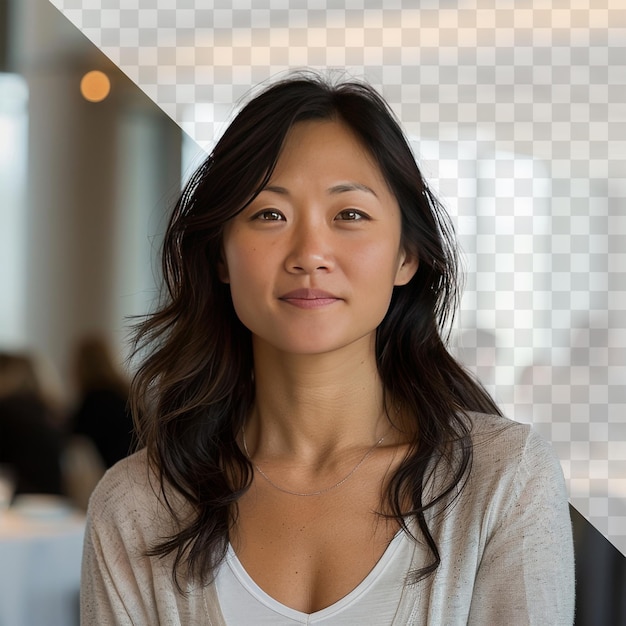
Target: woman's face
<point x="313" y="260"/>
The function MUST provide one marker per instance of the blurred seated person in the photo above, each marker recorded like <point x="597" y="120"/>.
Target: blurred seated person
<point x="102" y="413"/>
<point x="29" y="441"/>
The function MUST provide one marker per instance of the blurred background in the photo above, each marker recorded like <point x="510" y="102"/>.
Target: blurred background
<point x="85" y="188"/>
<point x="90" y="167"/>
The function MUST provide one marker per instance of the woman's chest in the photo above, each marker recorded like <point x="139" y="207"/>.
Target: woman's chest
<point x="308" y="552"/>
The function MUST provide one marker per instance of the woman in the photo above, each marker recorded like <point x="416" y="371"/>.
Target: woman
<point x="313" y="454"/>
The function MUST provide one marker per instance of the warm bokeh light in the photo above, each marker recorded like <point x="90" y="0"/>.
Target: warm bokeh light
<point x="95" y="86"/>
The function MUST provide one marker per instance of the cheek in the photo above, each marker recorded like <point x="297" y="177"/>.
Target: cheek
<point x="379" y="260"/>
<point x="237" y="258"/>
<point x="247" y="275"/>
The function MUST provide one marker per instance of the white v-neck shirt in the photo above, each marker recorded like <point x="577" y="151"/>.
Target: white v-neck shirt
<point x="377" y="596"/>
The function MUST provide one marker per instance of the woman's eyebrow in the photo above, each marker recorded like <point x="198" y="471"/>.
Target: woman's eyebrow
<point x="340" y="188"/>
<point x="335" y="189"/>
<point x="276" y="189"/>
<point x="351" y="186"/>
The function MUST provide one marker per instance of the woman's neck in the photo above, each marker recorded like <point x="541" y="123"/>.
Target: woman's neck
<point x="308" y="405"/>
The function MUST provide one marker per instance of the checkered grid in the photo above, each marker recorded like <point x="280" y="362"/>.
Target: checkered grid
<point x="546" y="281"/>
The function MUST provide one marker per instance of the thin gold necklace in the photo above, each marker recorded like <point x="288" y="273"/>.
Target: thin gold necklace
<point x="310" y="493"/>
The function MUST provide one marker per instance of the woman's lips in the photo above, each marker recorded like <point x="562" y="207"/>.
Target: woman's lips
<point x="309" y="298"/>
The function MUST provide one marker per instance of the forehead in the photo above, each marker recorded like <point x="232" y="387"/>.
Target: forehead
<point x="327" y="145"/>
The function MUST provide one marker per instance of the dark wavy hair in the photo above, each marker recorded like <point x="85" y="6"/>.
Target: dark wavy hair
<point x="192" y="393"/>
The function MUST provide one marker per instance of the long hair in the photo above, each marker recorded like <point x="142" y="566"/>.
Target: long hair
<point x="191" y="395"/>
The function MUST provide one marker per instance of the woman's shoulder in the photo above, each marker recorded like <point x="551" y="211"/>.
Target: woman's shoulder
<point x="487" y="423"/>
<point x="129" y="499"/>
<point x="505" y="451"/>
<point x="496" y="435"/>
<point x="129" y="482"/>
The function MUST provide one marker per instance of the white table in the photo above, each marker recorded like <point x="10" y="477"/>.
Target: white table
<point x="40" y="558"/>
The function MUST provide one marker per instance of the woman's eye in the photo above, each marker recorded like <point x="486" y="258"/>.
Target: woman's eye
<point x="351" y="215"/>
<point x="269" y="216"/>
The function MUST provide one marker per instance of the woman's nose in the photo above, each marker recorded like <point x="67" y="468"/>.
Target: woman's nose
<point x="310" y="250"/>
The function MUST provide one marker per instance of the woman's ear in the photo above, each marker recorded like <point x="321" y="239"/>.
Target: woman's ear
<point x="406" y="269"/>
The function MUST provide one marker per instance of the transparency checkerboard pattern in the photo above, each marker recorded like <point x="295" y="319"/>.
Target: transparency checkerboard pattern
<point x="517" y="114"/>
